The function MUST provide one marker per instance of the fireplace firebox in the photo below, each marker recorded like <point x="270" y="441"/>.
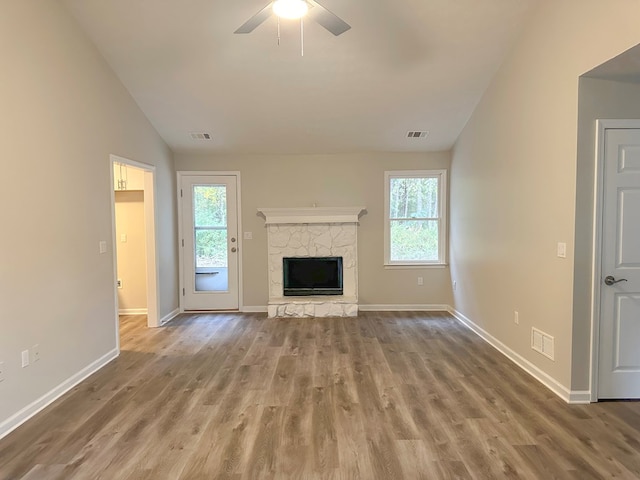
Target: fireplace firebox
<point x="306" y="276"/>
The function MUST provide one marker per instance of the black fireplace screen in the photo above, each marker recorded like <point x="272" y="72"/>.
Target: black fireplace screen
<point x="312" y="276"/>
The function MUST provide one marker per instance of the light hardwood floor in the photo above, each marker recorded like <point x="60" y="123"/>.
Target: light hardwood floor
<point x="381" y="396"/>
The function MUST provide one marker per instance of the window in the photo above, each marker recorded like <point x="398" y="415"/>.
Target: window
<point x="415" y="217"/>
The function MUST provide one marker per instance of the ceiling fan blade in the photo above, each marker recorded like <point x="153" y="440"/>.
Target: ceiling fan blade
<point x="250" y="25"/>
<point x="328" y="20"/>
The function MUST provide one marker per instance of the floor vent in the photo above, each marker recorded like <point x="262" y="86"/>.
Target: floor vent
<point x="542" y="343"/>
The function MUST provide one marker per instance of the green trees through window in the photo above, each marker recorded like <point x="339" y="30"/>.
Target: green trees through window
<point x="415" y="224"/>
<point x="210" y="222"/>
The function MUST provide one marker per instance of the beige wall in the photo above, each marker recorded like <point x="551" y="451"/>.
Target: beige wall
<point x="63" y="113"/>
<point x="598" y="99"/>
<point x="131" y="253"/>
<point x="514" y="179"/>
<point x="328" y="180"/>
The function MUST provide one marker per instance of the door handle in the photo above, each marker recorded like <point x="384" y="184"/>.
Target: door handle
<point x="609" y="280"/>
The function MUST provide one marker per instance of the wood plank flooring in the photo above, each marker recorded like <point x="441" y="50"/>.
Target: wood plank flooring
<point x="381" y="396"/>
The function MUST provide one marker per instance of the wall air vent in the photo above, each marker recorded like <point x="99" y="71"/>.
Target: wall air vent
<point x="417" y="134"/>
<point x="200" y="136"/>
<point x="542" y="343"/>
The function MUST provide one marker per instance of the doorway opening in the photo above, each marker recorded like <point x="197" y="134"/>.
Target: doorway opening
<point x="134" y="239"/>
<point x="610" y="91"/>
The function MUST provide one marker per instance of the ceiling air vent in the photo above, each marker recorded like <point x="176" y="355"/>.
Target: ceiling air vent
<point x="200" y="136"/>
<point x="417" y="134"/>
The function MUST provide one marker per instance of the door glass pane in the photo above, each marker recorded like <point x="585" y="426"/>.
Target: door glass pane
<point x="210" y="205"/>
<point x="210" y="238"/>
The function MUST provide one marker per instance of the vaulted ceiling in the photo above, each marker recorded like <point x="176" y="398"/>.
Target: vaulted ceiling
<point x="403" y="66"/>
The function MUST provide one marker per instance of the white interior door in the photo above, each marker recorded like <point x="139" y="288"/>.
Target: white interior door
<point x="210" y="242"/>
<point x="619" y="350"/>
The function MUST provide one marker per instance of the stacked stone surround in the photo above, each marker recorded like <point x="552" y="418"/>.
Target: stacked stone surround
<point x="322" y="239"/>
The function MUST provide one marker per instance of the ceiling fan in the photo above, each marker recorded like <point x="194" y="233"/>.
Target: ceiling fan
<point x="297" y="9"/>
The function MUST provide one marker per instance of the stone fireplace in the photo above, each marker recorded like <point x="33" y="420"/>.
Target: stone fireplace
<point x="313" y="232"/>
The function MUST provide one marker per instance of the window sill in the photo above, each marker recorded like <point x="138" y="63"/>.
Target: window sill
<point x="400" y="266"/>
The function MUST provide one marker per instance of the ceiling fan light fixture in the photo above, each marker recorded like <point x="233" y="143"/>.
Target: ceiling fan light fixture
<point x="290" y="8"/>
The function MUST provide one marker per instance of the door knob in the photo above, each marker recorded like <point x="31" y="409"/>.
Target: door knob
<point x="234" y="249"/>
<point x="233" y="239"/>
<point x="609" y="280"/>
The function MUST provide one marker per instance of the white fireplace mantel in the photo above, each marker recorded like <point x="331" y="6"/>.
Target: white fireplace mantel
<point x="313" y="232"/>
<point x="275" y="216"/>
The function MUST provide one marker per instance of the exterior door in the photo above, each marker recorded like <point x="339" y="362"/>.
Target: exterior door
<point x="619" y="357"/>
<point x="209" y="242"/>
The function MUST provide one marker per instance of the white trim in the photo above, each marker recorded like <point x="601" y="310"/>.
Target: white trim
<point x="311" y="215"/>
<point x="47" y="399"/>
<point x="132" y="311"/>
<point x="254" y="309"/>
<point x="395" y="266"/>
<point x="151" y="254"/>
<point x="596" y="267"/>
<point x="240" y="239"/>
<point x="544" y="378"/>
<point x="114" y="258"/>
<point x="403" y="308"/>
<point x="443" y="226"/>
<point x="170" y="316"/>
<point x="181" y="282"/>
<point x="577" y="397"/>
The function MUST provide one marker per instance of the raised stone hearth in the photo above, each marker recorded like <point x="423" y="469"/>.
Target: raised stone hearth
<point x="312" y="232"/>
<point x="329" y="306"/>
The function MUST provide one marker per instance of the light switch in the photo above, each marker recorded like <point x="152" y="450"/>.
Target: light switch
<point x="248" y="235"/>
<point x="562" y="250"/>
<point x="25" y="358"/>
<point x="123" y="238"/>
<point x="103" y="246"/>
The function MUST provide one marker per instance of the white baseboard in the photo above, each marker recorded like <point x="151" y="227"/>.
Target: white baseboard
<point x="580" y="397"/>
<point x="13" y="422"/>
<point x="254" y="309"/>
<point x="548" y="381"/>
<point x="132" y="311"/>
<point x="169" y="316"/>
<point x="403" y="308"/>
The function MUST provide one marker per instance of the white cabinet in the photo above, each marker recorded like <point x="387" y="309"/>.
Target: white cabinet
<point x="126" y="177"/>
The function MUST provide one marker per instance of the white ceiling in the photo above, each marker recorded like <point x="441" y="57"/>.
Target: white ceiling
<point x="404" y="65"/>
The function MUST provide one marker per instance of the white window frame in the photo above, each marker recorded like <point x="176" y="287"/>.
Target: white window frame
<point x="441" y="175"/>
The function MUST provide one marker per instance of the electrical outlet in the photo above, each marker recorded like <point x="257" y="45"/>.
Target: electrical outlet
<point x="35" y="353"/>
<point x="516" y="317"/>
<point x="562" y="250"/>
<point x="119" y="283"/>
<point x="1" y="371"/>
<point x="420" y="281"/>
<point x="25" y="358"/>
